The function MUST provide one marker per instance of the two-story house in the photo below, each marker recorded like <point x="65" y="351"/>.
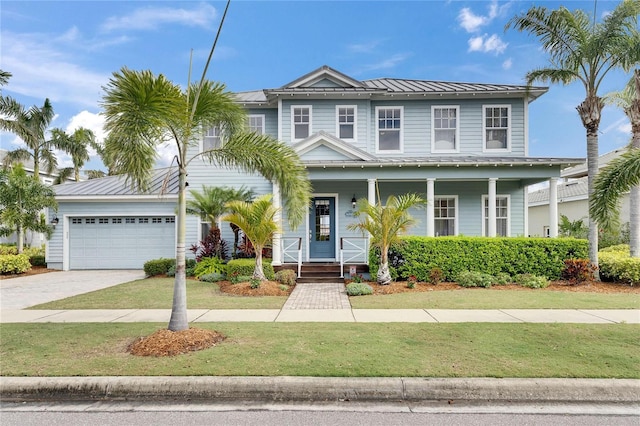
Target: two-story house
<point x="463" y="146"/>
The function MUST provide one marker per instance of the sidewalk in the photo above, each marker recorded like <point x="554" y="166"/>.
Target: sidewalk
<point x="583" y="316"/>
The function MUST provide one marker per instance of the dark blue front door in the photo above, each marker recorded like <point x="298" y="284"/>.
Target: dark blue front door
<point x="322" y="241"/>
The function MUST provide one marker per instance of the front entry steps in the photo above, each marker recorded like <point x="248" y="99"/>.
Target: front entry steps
<point x="322" y="272"/>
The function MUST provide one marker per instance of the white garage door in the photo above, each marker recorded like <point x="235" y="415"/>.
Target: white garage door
<point x="119" y="242"/>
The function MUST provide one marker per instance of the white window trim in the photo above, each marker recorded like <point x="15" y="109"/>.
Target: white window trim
<point x="508" y="197"/>
<point x="456" y="219"/>
<point x="377" y="130"/>
<point x="250" y="116"/>
<point x="484" y="128"/>
<point x="293" y="127"/>
<point x="355" y="122"/>
<point x="204" y="133"/>
<point x="433" y="130"/>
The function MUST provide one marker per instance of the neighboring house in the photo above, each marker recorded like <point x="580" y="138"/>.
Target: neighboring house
<point x="463" y="146"/>
<point x="572" y="198"/>
<point x="34" y="239"/>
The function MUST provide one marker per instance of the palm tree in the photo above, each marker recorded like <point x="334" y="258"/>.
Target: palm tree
<point x="607" y="197"/>
<point x="257" y="221"/>
<point x="586" y="51"/>
<point x="385" y="224"/>
<point x="64" y="175"/>
<point x="30" y="126"/>
<point x="21" y="202"/>
<point x="143" y="110"/>
<point x="76" y="144"/>
<point x="210" y="204"/>
<point x="620" y="175"/>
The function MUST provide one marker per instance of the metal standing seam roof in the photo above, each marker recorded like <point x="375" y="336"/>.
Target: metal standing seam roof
<point x="468" y="161"/>
<point x="571" y="189"/>
<point x="163" y="182"/>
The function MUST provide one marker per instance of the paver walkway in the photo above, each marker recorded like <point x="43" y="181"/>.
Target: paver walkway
<point x="318" y="296"/>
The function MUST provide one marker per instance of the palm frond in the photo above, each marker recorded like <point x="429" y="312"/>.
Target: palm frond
<point x="256" y="219"/>
<point x="617" y="178"/>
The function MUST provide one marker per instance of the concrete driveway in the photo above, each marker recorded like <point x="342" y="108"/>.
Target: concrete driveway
<point x="22" y="292"/>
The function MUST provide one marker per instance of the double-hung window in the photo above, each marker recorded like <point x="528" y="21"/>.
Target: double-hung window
<point x="445" y="128"/>
<point x="389" y="129"/>
<point x="497" y="127"/>
<point x="212" y="139"/>
<point x="301" y="121"/>
<point x="502" y="215"/>
<point x="445" y="215"/>
<point x="256" y="123"/>
<point x="346" y="122"/>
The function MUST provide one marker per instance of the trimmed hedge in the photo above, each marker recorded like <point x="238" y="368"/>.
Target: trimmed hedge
<point x="245" y="267"/>
<point x="14" y="263"/>
<point x="616" y="264"/>
<point x="453" y="255"/>
<point x="166" y="266"/>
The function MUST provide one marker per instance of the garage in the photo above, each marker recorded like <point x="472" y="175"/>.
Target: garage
<point x="119" y="242"/>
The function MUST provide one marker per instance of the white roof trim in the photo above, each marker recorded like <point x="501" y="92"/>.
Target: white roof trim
<point x="323" y="138"/>
<point x="322" y="73"/>
<point x="117" y="198"/>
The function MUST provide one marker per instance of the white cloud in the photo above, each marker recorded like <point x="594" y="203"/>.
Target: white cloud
<point x="389" y="62"/>
<point x="491" y="44"/>
<point x="506" y="65"/>
<point x="42" y="69"/>
<point x="473" y="23"/>
<point x="363" y="47"/>
<point x="151" y="18"/>
<point x="625" y="128"/>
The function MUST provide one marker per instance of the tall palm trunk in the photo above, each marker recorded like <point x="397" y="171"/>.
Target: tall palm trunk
<point x="384" y="275"/>
<point x="179" y="319"/>
<point x="590" y="113"/>
<point x="634" y="195"/>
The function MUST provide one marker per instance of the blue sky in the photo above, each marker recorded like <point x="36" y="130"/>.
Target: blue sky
<point x="67" y="50"/>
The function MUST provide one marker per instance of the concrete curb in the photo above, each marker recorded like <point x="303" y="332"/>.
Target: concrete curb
<point x="320" y="389"/>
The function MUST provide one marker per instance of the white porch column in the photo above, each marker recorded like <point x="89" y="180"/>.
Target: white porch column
<point x="276" y="249"/>
<point x="553" y="207"/>
<point x="431" y="207"/>
<point x="491" y="230"/>
<point x="371" y="191"/>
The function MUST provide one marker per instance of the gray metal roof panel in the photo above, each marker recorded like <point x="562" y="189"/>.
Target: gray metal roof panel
<point x="449" y="160"/>
<point x="163" y="181"/>
<point x="571" y="189"/>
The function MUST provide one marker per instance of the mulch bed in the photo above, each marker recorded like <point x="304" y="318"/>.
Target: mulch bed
<point x="267" y="288"/>
<point x="169" y="343"/>
<point x="35" y="270"/>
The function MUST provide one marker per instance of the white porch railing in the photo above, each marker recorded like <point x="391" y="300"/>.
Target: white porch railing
<point x="353" y="250"/>
<point x="292" y="251"/>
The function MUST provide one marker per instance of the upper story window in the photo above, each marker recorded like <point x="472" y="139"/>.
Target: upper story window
<point x="346" y="122"/>
<point x="389" y="129"/>
<point x="502" y="215"/>
<point x="212" y="139"/>
<point x="256" y="124"/>
<point x="301" y="121"/>
<point x="497" y="129"/>
<point x="445" y="129"/>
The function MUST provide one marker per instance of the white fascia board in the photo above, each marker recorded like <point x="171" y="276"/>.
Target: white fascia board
<point x="117" y="198"/>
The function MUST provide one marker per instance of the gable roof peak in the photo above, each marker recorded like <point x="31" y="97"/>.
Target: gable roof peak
<point x="324" y="72"/>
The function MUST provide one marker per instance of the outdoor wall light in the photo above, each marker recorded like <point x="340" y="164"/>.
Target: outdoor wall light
<point x="354" y="201"/>
<point x="55" y="220"/>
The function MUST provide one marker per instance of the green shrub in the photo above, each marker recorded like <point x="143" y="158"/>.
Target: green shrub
<point x="474" y="279"/>
<point x="619" y="266"/>
<point x="38" y="260"/>
<point x="620" y="247"/>
<point x="283" y="287"/>
<point x="158" y="266"/>
<point x="8" y="249"/>
<point x="34" y="251"/>
<point x="436" y="276"/>
<point x="254" y="283"/>
<point x="501" y="278"/>
<point x="209" y="265"/>
<point x="286" y="277"/>
<point x="539" y="256"/>
<point x="359" y="289"/>
<point x="531" y="281"/>
<point x="14" y="264"/>
<point x="211" y="278"/>
<point x="246" y="267"/>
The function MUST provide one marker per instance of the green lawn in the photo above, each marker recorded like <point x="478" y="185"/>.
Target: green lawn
<point x="497" y="299"/>
<point x="157" y="293"/>
<point x="333" y="349"/>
